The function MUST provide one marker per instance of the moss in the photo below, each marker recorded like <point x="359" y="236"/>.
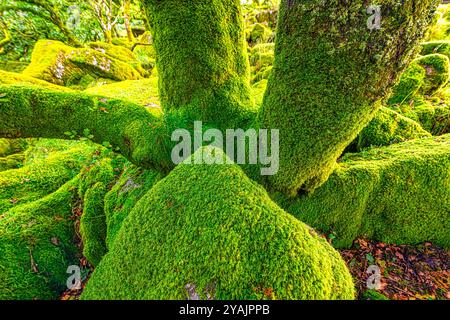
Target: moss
<point x="11" y="146"/>
<point x="132" y="185"/>
<point x="36" y="247"/>
<point x="410" y="83"/>
<point x="13" y="66"/>
<point x="433" y="118"/>
<point x="259" y="33"/>
<point x="258" y="89"/>
<point x="441" y="46"/>
<point x="13" y="161"/>
<point x="17" y="78"/>
<point x="397" y="194"/>
<point x="329" y="78"/>
<point x="60" y="64"/>
<point x="373" y="295"/>
<point x="123" y="126"/>
<point x="437" y="73"/>
<point x="441" y="28"/>
<point x="389" y="127"/>
<point x="207" y="78"/>
<point x="191" y="231"/>
<point x="143" y="92"/>
<point x="41" y="178"/>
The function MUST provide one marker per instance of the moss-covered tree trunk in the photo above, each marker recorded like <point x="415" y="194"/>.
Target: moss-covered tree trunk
<point x="201" y="58"/>
<point x="330" y="73"/>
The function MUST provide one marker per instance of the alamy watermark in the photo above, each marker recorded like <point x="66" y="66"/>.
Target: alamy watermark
<point x="242" y="147"/>
<point x="374" y="21"/>
<point x="374" y="279"/>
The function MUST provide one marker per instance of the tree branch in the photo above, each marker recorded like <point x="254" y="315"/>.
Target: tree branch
<point x="29" y="111"/>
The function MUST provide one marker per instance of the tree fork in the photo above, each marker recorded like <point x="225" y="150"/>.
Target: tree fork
<point x="330" y="75"/>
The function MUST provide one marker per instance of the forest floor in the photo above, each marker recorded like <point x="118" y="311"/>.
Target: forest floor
<point x="419" y="272"/>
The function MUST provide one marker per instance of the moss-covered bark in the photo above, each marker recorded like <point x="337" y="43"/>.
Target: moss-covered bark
<point x="130" y="129"/>
<point x="201" y="59"/>
<point x="329" y="75"/>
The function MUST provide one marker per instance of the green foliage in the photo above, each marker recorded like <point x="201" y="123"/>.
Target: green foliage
<point x="189" y="231"/>
<point x="397" y="194"/>
<point x="259" y="33"/>
<point x="328" y="82"/>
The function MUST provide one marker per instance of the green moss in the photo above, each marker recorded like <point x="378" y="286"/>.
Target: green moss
<point x="17" y="78"/>
<point x="13" y="66"/>
<point x="433" y="118"/>
<point x="210" y="228"/>
<point x="258" y="89"/>
<point x="11" y="146"/>
<point x="442" y="47"/>
<point x="13" y="161"/>
<point x="437" y="73"/>
<point x="441" y="28"/>
<point x="36" y="247"/>
<point x="208" y="77"/>
<point x="143" y="92"/>
<point x="259" y="33"/>
<point x="41" y="178"/>
<point x="120" y="125"/>
<point x="329" y="78"/>
<point x="373" y="295"/>
<point x="389" y="127"/>
<point x="132" y="185"/>
<point x="397" y="194"/>
<point x="60" y="64"/>
<point x="410" y="83"/>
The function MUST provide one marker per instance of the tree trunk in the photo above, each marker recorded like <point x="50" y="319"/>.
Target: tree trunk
<point x="126" y="18"/>
<point x="330" y="73"/>
<point x="201" y="59"/>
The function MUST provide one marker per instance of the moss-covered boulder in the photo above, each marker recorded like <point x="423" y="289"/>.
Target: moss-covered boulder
<point x="60" y="64"/>
<point x="388" y="127"/>
<point x="397" y="194"/>
<point x="259" y="33"/>
<point x="261" y="61"/>
<point x="18" y="78"/>
<point x="441" y="46"/>
<point x="435" y="118"/>
<point x="37" y="247"/>
<point x="13" y="161"/>
<point x="437" y="73"/>
<point x="210" y="230"/>
<point x="40" y="178"/>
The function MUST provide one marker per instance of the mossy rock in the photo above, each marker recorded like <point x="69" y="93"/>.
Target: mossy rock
<point x="442" y="47"/>
<point x="388" y="127"/>
<point x="37" y="246"/>
<point x="410" y="83"/>
<point x="397" y="194"/>
<point x="435" y="118"/>
<point x="132" y="185"/>
<point x="12" y="146"/>
<point x="259" y="33"/>
<point x="41" y="178"/>
<point x="437" y="73"/>
<point x="17" y="78"/>
<point x="60" y="64"/>
<point x="13" y="161"/>
<point x="208" y="229"/>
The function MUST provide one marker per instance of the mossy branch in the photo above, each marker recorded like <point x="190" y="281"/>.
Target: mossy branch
<point x="128" y="128"/>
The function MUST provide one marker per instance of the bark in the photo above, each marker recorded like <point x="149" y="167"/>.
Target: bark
<point x="330" y="75"/>
<point x="201" y="59"/>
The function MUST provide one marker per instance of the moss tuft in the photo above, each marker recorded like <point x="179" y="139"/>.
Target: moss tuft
<point x="398" y="194"/>
<point x="209" y="229"/>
